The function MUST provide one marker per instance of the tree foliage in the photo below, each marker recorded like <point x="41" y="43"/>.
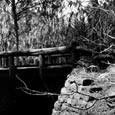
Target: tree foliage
<point x="50" y="23"/>
<point x="101" y="23"/>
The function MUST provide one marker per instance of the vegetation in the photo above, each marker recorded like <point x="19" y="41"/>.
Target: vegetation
<point x="37" y="24"/>
<point x="31" y="24"/>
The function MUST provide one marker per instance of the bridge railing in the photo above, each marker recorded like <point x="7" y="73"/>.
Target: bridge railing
<point x="35" y="57"/>
<point x="46" y="57"/>
<point x="32" y="57"/>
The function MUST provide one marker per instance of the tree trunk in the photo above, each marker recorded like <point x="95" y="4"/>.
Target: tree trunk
<point x="15" y="23"/>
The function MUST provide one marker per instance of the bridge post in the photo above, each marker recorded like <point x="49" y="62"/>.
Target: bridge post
<point x="11" y="67"/>
<point x="12" y="81"/>
<point x="41" y="65"/>
<point x="75" y="54"/>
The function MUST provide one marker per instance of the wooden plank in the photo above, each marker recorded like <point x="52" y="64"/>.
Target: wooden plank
<point x="60" y="55"/>
<point x="41" y="65"/>
<point x="53" y="50"/>
<point x="11" y="67"/>
<point x="48" y="67"/>
<point x="75" y="55"/>
<point x="12" y="79"/>
<point x="59" y="66"/>
<point x="65" y="51"/>
<point x="35" y="52"/>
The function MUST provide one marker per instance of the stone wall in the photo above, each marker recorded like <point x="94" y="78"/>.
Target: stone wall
<point x="87" y="93"/>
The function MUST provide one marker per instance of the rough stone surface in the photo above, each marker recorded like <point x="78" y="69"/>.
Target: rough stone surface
<point x="87" y="93"/>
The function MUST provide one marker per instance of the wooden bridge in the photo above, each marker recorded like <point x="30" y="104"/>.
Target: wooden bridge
<point x="50" y="64"/>
<point x="56" y="57"/>
<point x="43" y="68"/>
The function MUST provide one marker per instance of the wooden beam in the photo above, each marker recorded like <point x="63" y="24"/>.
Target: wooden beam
<point x="35" y="52"/>
<point x="52" y="51"/>
<point x="11" y="67"/>
<point x="36" y="67"/>
<point x="41" y="65"/>
<point x="12" y="81"/>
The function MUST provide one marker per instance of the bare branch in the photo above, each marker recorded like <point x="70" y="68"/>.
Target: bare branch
<point x="107" y="48"/>
<point x="28" y="91"/>
<point x="92" y="41"/>
<point x="106" y="11"/>
<point x="109" y="36"/>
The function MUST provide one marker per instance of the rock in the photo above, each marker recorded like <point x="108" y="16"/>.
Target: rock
<point x="87" y="93"/>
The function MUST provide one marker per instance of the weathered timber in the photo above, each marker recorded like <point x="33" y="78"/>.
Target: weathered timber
<point x="41" y="65"/>
<point x="60" y="55"/>
<point x="75" y="56"/>
<point x="35" y="52"/>
<point x="12" y="80"/>
<point x="53" y="50"/>
<point x="11" y="67"/>
<point x="84" y="51"/>
<point x="36" y="67"/>
<point x="73" y="51"/>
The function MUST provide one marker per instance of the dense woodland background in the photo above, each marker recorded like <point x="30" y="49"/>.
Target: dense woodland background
<point x="32" y="24"/>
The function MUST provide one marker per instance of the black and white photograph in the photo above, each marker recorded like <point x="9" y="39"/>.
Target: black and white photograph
<point x="57" y="57"/>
